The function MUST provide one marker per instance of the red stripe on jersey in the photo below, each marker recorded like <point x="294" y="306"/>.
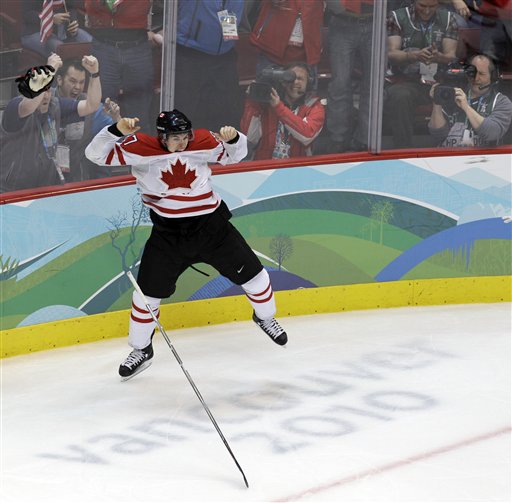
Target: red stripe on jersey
<point x="110" y="157"/>
<point x="190" y="209"/>
<point x="120" y="154"/>
<point x="181" y="198"/>
<point x="221" y="154"/>
<point x="146" y="146"/>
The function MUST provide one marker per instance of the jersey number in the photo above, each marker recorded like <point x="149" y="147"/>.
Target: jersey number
<point x="130" y="139"/>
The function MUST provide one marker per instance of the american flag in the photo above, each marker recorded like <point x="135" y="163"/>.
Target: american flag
<point x="46" y="18"/>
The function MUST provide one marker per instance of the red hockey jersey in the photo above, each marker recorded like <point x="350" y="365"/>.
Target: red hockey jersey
<point x="174" y="185"/>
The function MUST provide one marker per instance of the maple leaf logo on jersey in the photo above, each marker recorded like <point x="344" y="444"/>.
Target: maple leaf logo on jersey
<point x="178" y="176"/>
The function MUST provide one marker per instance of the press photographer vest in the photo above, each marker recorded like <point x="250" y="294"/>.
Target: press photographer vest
<point x="415" y="36"/>
<point x="459" y="122"/>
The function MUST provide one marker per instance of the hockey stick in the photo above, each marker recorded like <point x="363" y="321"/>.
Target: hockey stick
<point x="178" y="359"/>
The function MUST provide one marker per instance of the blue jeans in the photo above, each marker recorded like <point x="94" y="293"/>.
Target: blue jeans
<point x="349" y="38"/>
<point x="33" y="42"/>
<point x="127" y="78"/>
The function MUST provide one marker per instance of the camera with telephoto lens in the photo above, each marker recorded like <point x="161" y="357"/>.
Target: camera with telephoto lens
<point x="456" y="75"/>
<point x="270" y="77"/>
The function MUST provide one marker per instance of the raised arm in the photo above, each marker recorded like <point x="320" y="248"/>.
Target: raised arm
<point x="104" y="149"/>
<point x="235" y="144"/>
<point x="93" y="101"/>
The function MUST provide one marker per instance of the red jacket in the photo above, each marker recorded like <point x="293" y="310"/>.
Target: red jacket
<point x="259" y="123"/>
<point x="132" y="14"/>
<point x="274" y="26"/>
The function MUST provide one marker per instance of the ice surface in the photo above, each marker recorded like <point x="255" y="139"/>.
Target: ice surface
<point x="409" y="404"/>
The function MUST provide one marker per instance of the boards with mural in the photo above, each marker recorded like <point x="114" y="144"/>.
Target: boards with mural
<point x="383" y="220"/>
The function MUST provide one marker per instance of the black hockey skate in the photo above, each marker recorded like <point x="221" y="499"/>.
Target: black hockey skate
<point x="137" y="361"/>
<point x="272" y="328"/>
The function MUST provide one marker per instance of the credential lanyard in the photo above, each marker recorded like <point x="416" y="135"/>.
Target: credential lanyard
<point x="51" y="150"/>
<point x="427" y="32"/>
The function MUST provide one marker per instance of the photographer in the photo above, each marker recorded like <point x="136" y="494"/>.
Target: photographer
<point x="479" y="116"/>
<point x="283" y="117"/>
<point x="422" y="38"/>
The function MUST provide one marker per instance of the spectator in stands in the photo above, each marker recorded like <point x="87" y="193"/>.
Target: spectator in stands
<point x="206" y="77"/>
<point x="29" y="149"/>
<point x="287" y="31"/>
<point x="495" y="18"/>
<point x="71" y="79"/>
<point x="120" y="42"/>
<point x="59" y="24"/>
<point x="482" y="115"/>
<point x="422" y="38"/>
<point x="350" y="34"/>
<point x="289" y="122"/>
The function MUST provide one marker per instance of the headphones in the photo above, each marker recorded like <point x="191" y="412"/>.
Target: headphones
<point x="493" y="67"/>
<point x="311" y="75"/>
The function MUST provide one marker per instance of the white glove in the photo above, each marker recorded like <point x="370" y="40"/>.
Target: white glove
<point x="41" y="77"/>
<point x="507" y="219"/>
<point x="36" y="81"/>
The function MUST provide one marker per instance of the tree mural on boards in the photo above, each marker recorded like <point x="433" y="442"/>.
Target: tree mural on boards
<point x="281" y="248"/>
<point x="381" y="213"/>
<point x="123" y="242"/>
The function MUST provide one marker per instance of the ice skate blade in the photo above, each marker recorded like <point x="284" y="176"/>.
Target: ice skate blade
<point x="144" y="366"/>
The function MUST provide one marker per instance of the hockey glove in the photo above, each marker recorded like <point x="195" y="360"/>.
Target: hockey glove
<point x="37" y="80"/>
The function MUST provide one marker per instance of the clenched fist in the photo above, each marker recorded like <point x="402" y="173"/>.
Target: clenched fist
<point x="227" y="133"/>
<point x="90" y="63"/>
<point x="128" y="125"/>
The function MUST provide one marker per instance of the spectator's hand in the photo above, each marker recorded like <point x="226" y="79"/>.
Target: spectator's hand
<point x="476" y="4"/>
<point x="462" y="9"/>
<point x="227" y="133"/>
<point x="72" y="28"/>
<point x="461" y="100"/>
<point x="112" y="108"/>
<point x="128" y="125"/>
<point x="36" y="81"/>
<point x="54" y="60"/>
<point x="90" y="63"/>
<point x="155" y="39"/>
<point x="436" y="55"/>
<point x="61" y="18"/>
<point x="274" y="98"/>
<point x="425" y="55"/>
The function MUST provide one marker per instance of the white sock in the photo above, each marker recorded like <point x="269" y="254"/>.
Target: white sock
<point x="141" y="322"/>
<point x="260" y="295"/>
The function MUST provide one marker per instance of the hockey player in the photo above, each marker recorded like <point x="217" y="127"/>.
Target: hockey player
<point x="190" y="221"/>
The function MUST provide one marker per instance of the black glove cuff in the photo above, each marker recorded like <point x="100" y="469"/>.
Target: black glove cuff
<point x="113" y="129"/>
<point x="235" y="139"/>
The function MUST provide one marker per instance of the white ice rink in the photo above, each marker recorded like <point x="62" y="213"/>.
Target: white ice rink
<point x="408" y="404"/>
